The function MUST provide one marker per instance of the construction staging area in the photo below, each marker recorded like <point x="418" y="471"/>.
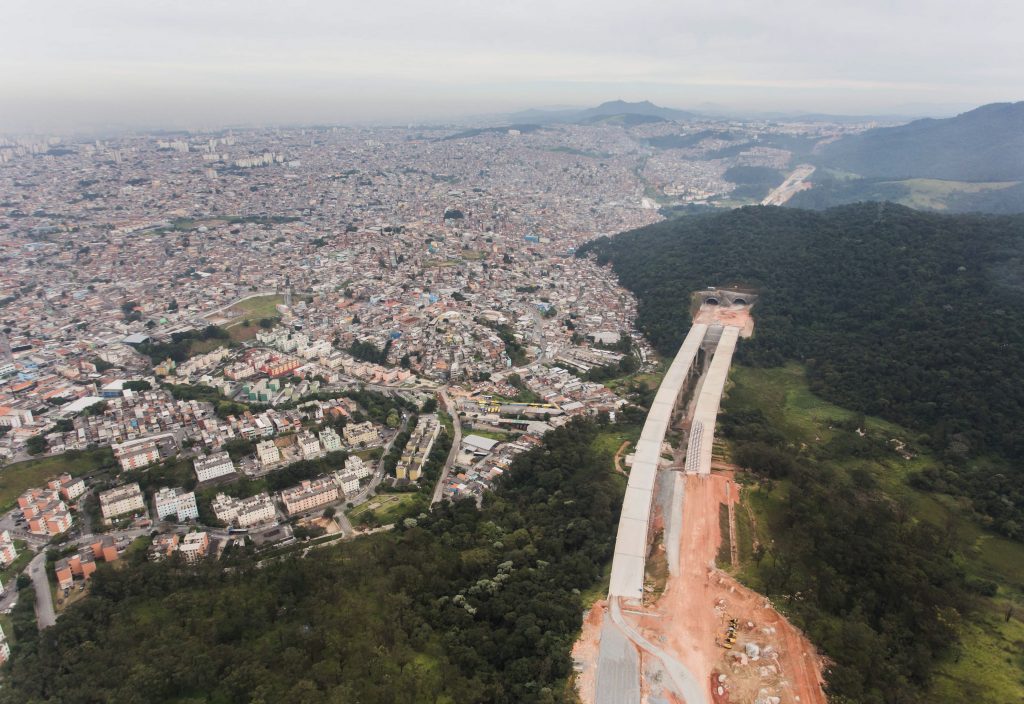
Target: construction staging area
<point x="705" y="638"/>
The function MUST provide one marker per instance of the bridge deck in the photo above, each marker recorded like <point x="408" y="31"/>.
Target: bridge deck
<point x="627" y="578"/>
<point x="702" y="430"/>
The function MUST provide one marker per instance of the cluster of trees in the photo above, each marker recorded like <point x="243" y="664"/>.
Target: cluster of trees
<point x="221" y="406"/>
<point x="513" y="347"/>
<point x="369" y="352"/>
<point x="461" y="606"/>
<point x="911" y="316"/>
<point x="179" y="347"/>
<point x="882" y="595"/>
<point x="754" y="182"/>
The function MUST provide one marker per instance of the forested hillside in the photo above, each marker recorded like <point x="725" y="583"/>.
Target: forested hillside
<point x="911" y="316"/>
<point x="985" y="144"/>
<point x="465" y="606"/>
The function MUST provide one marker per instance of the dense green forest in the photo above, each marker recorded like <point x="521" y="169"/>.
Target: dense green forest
<point x="881" y="595"/>
<point x="890" y="585"/>
<point x="911" y="316"/>
<point x="462" y="605"/>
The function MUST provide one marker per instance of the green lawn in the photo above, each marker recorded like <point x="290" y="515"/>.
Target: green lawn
<point x="989" y="667"/>
<point x="15" y="479"/>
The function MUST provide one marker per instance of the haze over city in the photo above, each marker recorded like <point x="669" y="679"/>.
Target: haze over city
<point x="569" y="352"/>
<point x="71" y="65"/>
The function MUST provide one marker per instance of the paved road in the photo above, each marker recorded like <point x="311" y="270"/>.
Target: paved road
<point x="45" y="615"/>
<point x="456" y="443"/>
<point x="683" y="681"/>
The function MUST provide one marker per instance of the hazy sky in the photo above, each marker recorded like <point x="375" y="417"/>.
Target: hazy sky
<point x="67" y="63"/>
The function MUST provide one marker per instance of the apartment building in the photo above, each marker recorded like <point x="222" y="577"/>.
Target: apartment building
<point x="136" y="455"/>
<point x="330" y="440"/>
<point x="8" y="553"/>
<point x="309" y="495"/>
<point x="69" y="487"/>
<point x="364" y="434"/>
<point x="175" y="502"/>
<point x="309" y="446"/>
<point x="194" y="546"/>
<point x="355" y="465"/>
<point x="121" y="500"/>
<point x="218" y="464"/>
<point x="268" y="453"/>
<point x="245" y="512"/>
<point x="45" y="512"/>
<point x="348" y="482"/>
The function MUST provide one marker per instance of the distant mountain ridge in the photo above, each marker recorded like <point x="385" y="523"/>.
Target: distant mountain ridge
<point x="609" y="109"/>
<point x="984" y="144"/>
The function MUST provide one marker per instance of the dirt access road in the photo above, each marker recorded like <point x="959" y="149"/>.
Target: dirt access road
<point x="692" y="616"/>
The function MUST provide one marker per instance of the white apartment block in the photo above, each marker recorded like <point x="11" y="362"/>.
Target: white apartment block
<point x="309" y="495"/>
<point x="354" y="464"/>
<point x="136" y="455"/>
<point x="175" y="502"/>
<point x="268" y="453"/>
<point x="8" y="553"/>
<point x="330" y="440"/>
<point x="69" y="487"/>
<point x="120" y="500"/>
<point x="348" y="482"/>
<point x="216" y="465"/>
<point x="245" y="512"/>
<point x="364" y="434"/>
<point x="309" y="446"/>
<point x="194" y="546"/>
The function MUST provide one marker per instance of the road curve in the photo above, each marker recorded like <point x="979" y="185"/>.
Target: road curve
<point x="456" y="443"/>
<point x="683" y="681"/>
<point x="45" y="615"/>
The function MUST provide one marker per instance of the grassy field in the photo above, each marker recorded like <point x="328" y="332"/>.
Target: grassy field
<point x="990" y="665"/>
<point x="18" y="477"/>
<point x="932" y="193"/>
<point x="386" y="507"/>
<point x="258" y="306"/>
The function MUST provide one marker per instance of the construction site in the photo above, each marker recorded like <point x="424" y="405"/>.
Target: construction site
<point x="677" y="628"/>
